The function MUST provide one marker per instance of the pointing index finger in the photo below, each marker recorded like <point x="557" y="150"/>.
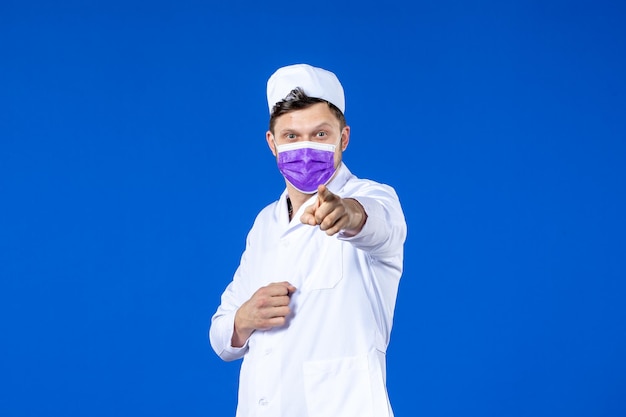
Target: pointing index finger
<point x="323" y="193"/>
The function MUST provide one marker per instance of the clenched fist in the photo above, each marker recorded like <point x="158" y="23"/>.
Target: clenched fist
<point x="267" y="308"/>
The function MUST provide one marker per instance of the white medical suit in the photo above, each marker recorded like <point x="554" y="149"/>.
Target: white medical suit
<point x="329" y="360"/>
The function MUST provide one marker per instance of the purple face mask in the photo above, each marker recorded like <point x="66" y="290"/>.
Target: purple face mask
<point x="306" y="164"/>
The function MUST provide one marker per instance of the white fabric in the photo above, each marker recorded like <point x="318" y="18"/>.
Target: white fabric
<point x="329" y="360"/>
<point x="315" y="82"/>
<point x="305" y="144"/>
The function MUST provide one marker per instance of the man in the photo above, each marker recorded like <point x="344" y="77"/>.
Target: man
<point x="310" y="307"/>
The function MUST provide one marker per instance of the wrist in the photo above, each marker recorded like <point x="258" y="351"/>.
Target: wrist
<point x="358" y="217"/>
<point x="240" y="332"/>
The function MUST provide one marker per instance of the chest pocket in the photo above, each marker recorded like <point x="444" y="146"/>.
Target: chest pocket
<point x="327" y="267"/>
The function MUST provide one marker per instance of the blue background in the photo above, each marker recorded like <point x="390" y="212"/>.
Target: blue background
<point x="133" y="161"/>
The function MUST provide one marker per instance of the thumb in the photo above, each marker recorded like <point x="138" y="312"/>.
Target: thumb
<point x="308" y="216"/>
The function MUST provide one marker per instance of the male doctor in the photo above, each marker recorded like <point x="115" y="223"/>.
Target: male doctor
<point x="310" y="307"/>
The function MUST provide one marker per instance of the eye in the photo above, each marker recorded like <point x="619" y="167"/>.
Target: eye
<point x="321" y="134"/>
<point x="290" y="135"/>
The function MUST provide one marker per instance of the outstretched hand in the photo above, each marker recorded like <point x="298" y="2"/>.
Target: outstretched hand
<point x="334" y="214"/>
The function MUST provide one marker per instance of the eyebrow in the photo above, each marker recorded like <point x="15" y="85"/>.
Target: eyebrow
<point x="323" y="125"/>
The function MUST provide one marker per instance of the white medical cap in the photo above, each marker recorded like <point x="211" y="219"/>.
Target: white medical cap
<point x="315" y="82"/>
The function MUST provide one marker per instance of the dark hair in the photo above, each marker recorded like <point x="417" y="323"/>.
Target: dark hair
<point x="298" y="100"/>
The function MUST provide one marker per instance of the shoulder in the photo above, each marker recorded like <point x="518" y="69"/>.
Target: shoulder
<point x="268" y="212"/>
<point x="368" y="187"/>
<point x="346" y="183"/>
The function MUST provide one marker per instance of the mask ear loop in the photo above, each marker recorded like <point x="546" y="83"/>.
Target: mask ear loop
<point x="341" y="139"/>
<point x="275" y="145"/>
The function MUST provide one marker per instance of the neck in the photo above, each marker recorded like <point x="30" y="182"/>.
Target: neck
<point x="295" y="200"/>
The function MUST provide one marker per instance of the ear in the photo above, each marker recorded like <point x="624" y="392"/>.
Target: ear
<point x="270" y="141"/>
<point x="345" y="138"/>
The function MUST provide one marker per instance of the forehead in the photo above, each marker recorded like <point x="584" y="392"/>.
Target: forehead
<point x="311" y="117"/>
